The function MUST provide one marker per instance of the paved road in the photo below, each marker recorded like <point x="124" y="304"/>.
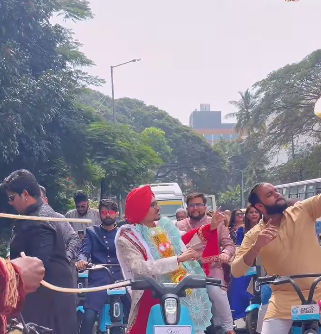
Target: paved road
<point x="240" y="323"/>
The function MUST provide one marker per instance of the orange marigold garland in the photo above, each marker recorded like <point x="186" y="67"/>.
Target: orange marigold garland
<point x="165" y="249"/>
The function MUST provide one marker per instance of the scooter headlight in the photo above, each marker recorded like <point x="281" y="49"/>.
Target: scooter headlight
<point x="170" y="306"/>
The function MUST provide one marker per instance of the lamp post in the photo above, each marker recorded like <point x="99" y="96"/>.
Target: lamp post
<point x="112" y="83"/>
<point x="242" y="187"/>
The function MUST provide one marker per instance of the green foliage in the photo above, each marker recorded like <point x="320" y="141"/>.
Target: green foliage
<point x="74" y="9"/>
<point x="156" y="139"/>
<point x="44" y="130"/>
<point x="278" y="114"/>
<point x="124" y="156"/>
<point x="192" y="163"/>
<point x="230" y="199"/>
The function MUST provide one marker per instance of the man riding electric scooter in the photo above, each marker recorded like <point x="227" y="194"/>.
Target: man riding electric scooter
<point x="99" y="246"/>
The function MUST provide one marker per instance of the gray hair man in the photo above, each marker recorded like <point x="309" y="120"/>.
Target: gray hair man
<point x="181" y="214"/>
<point x="71" y="239"/>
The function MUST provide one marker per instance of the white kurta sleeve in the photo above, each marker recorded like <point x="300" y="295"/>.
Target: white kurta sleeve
<point x="135" y="262"/>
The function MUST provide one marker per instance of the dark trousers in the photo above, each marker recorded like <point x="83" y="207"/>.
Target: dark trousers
<point x="88" y="322"/>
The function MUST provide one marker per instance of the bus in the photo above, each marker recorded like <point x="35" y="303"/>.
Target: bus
<point x="303" y="190"/>
<point x="169" y="197"/>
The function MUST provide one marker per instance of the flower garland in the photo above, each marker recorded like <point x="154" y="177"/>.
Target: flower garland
<point x="166" y="241"/>
<point x="165" y="249"/>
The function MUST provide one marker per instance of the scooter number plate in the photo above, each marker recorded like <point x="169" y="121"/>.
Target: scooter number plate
<point x="172" y="330"/>
<point x="305" y="312"/>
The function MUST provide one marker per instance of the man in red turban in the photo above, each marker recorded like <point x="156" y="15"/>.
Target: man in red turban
<point x="138" y="206"/>
<point x="137" y="255"/>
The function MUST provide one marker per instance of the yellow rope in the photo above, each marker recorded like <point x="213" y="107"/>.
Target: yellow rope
<point x="82" y="290"/>
<point x="52" y="219"/>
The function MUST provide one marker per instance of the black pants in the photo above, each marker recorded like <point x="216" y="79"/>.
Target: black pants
<point x="88" y="321"/>
<point x="90" y="316"/>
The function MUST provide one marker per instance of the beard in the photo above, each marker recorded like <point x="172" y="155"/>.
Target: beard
<point x="108" y="221"/>
<point x="276" y="208"/>
<point x="198" y="218"/>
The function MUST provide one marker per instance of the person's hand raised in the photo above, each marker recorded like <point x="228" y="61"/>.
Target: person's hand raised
<point x="268" y="234"/>
<point x="217" y="218"/>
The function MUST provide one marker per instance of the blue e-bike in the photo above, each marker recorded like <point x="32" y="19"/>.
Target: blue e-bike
<point x="306" y="317"/>
<point x="252" y="310"/>
<point x="170" y="316"/>
<point x="112" y="314"/>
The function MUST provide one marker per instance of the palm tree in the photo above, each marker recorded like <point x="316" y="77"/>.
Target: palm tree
<point x="245" y="105"/>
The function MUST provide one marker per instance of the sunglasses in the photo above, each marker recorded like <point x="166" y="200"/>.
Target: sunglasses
<point x="108" y="212"/>
<point x="11" y="197"/>
<point x="239" y="214"/>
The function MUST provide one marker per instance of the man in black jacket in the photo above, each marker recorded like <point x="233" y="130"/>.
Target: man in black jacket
<point x="44" y="240"/>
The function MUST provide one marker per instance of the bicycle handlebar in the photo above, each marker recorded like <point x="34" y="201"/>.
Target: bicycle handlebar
<point x="279" y="280"/>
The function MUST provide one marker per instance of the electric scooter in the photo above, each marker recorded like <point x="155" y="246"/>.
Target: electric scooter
<point x="170" y="316"/>
<point x="306" y="317"/>
<point x="112" y="314"/>
<point x="252" y="310"/>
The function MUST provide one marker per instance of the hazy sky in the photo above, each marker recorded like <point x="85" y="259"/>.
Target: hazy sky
<point x="195" y="52"/>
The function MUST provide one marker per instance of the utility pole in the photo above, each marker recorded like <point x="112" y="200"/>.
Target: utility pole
<point x="112" y="84"/>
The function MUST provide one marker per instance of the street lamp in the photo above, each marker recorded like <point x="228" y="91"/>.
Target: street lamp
<point x="112" y="83"/>
<point x="242" y="187"/>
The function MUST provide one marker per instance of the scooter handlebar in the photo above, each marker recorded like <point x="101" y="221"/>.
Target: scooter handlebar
<point x="278" y="280"/>
<point x="267" y="279"/>
<point x="188" y="282"/>
<point x="213" y="281"/>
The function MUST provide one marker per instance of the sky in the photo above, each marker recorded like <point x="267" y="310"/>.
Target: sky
<point x="195" y="52"/>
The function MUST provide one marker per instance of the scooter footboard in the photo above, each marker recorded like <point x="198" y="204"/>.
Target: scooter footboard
<point x="155" y="319"/>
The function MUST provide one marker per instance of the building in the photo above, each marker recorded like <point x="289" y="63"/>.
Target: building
<point x="209" y="124"/>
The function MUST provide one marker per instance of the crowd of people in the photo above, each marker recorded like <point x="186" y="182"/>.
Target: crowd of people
<point x="277" y="233"/>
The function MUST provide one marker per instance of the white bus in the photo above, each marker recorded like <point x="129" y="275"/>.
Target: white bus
<point x="169" y="197"/>
<point x="302" y="190"/>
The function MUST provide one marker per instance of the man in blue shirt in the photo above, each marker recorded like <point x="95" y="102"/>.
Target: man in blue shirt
<point x="99" y="248"/>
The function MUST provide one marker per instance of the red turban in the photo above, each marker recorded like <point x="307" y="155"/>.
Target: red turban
<point x="137" y="204"/>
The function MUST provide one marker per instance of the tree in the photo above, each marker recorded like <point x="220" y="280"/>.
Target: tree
<point x="193" y="163"/>
<point x="156" y="139"/>
<point x="288" y="98"/>
<point x="245" y="105"/>
<point x="123" y="155"/>
<point x="230" y="199"/>
<point x="40" y="73"/>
